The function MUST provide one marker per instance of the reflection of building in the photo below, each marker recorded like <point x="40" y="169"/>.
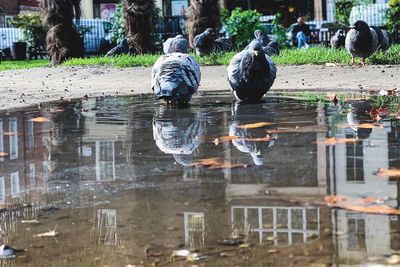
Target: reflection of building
<point x="107" y="226"/>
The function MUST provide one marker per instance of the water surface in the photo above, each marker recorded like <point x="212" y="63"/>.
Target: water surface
<point x="120" y="181"/>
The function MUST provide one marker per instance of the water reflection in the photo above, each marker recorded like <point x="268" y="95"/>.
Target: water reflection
<point x="97" y="159"/>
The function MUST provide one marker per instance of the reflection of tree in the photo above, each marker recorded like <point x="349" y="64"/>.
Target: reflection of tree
<point x="246" y="114"/>
<point x="177" y="132"/>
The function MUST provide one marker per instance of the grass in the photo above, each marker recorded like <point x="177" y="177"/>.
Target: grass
<point x="315" y="55"/>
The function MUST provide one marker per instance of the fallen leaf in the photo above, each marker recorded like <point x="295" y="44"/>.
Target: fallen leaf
<point x="3" y="154"/>
<point x="218" y="163"/>
<point x="254" y="125"/>
<point x="334" y="141"/>
<point x="40" y="119"/>
<point x="30" y="221"/>
<point x="362" y="125"/>
<point x="388" y="172"/>
<point x="9" y="133"/>
<point x="224" y="138"/>
<point x="366" y="205"/>
<point x="47" y="234"/>
<point x="267" y="138"/>
<point x="300" y="129"/>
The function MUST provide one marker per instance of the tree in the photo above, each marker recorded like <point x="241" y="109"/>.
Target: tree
<point x="203" y="14"/>
<point x="139" y="25"/>
<point x="62" y="39"/>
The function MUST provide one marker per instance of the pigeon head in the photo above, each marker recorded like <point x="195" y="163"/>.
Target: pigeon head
<point x="361" y="26"/>
<point x="255" y="45"/>
<point x="209" y="31"/>
<point x="258" y="33"/>
<point x="180" y="44"/>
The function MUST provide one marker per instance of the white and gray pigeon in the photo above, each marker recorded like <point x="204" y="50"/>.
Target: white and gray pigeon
<point x="251" y="73"/>
<point x="361" y="41"/>
<point x="207" y="43"/>
<point x="383" y="38"/>
<point x="338" y="39"/>
<point x="175" y="77"/>
<point x="176" y="44"/>
<point x="271" y="48"/>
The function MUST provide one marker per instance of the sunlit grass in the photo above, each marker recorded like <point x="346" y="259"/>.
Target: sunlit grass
<point x="318" y="55"/>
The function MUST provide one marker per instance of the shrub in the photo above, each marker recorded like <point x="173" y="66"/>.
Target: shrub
<point x="280" y="32"/>
<point x="31" y="26"/>
<point x="393" y="15"/>
<point x="343" y="10"/>
<point x="119" y="25"/>
<point x="241" y="24"/>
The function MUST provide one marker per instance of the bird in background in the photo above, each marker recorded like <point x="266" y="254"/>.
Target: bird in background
<point x="383" y="38"/>
<point x="251" y="73"/>
<point x="338" y="39"/>
<point x="271" y="48"/>
<point x="361" y="41"/>
<point x="175" y="76"/>
<point x="207" y="43"/>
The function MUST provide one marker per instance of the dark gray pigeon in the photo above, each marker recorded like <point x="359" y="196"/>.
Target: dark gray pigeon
<point x="121" y="49"/>
<point x="272" y="49"/>
<point x="262" y="37"/>
<point x="251" y="73"/>
<point x="383" y="38"/>
<point x="207" y="43"/>
<point x="361" y="41"/>
<point x="176" y="44"/>
<point x="338" y="39"/>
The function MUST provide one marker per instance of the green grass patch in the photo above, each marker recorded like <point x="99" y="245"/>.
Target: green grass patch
<point x="26" y="64"/>
<point x="317" y="55"/>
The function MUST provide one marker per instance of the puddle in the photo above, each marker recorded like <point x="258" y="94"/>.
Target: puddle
<point x="124" y="181"/>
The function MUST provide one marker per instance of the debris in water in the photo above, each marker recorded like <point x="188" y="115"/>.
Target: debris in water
<point x="181" y="253"/>
<point x="3" y="154"/>
<point x="231" y="241"/>
<point x="29" y="221"/>
<point x="40" y="119"/>
<point x="394" y="259"/>
<point x="366" y="205"/>
<point x="254" y="125"/>
<point x="51" y="233"/>
<point x="194" y="257"/>
<point x="218" y="163"/>
<point x="334" y="141"/>
<point x="388" y="172"/>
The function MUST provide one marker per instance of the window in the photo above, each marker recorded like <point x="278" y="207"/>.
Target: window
<point x="14" y="183"/>
<point x="31" y="134"/>
<point x="354" y="161"/>
<point x="45" y="173"/>
<point x="2" y="189"/>
<point x="356" y="234"/>
<point x="32" y="175"/>
<point x="13" y="129"/>
<point x="107" y="226"/>
<point x="194" y="229"/>
<point x="105" y="161"/>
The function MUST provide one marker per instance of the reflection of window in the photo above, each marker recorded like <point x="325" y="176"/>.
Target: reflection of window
<point x="14" y="183"/>
<point x="289" y="225"/>
<point x="45" y="167"/>
<point x="194" y="229"/>
<point x="354" y="161"/>
<point x="32" y="174"/>
<point x="356" y="233"/>
<point x="105" y="161"/>
<point x="1" y="140"/>
<point x="13" y="138"/>
<point x="107" y="226"/>
<point x="2" y="189"/>
<point x="31" y="134"/>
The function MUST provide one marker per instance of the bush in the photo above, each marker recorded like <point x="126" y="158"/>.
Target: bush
<point x="241" y="24"/>
<point x="31" y="26"/>
<point x="280" y="32"/>
<point x="119" y="25"/>
<point x="393" y="15"/>
<point x="343" y="10"/>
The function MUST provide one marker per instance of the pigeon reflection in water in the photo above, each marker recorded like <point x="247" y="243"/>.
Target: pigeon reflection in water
<point x="177" y="132"/>
<point x="247" y="114"/>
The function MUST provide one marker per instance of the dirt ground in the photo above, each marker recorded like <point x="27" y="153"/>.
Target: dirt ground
<point x="20" y="88"/>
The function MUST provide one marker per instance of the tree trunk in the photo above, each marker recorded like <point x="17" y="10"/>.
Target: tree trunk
<point x="203" y="14"/>
<point x="139" y="25"/>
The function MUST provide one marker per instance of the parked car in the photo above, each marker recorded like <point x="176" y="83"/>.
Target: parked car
<point x="8" y="36"/>
<point x="97" y="35"/>
<point x="373" y="14"/>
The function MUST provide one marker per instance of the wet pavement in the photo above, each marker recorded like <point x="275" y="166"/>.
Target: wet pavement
<point x="119" y="181"/>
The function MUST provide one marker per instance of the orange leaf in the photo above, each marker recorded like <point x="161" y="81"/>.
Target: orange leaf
<point x="334" y="141"/>
<point x="218" y="163"/>
<point x="388" y="172"/>
<point x="234" y="137"/>
<point x="3" y="154"/>
<point x="40" y="119"/>
<point x="367" y="204"/>
<point x="255" y="125"/>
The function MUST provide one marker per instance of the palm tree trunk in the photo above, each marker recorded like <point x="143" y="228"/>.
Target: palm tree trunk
<point x="139" y="25"/>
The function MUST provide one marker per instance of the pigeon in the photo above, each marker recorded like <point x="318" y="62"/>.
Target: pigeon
<point x="272" y="49"/>
<point x="176" y="44"/>
<point x="251" y="73"/>
<point x="121" y="49"/>
<point x="207" y="43"/>
<point x="338" y="39"/>
<point x="177" y="132"/>
<point x="175" y="76"/>
<point x="7" y="252"/>
<point x="262" y="37"/>
<point x="361" y="41"/>
<point x="383" y="38"/>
